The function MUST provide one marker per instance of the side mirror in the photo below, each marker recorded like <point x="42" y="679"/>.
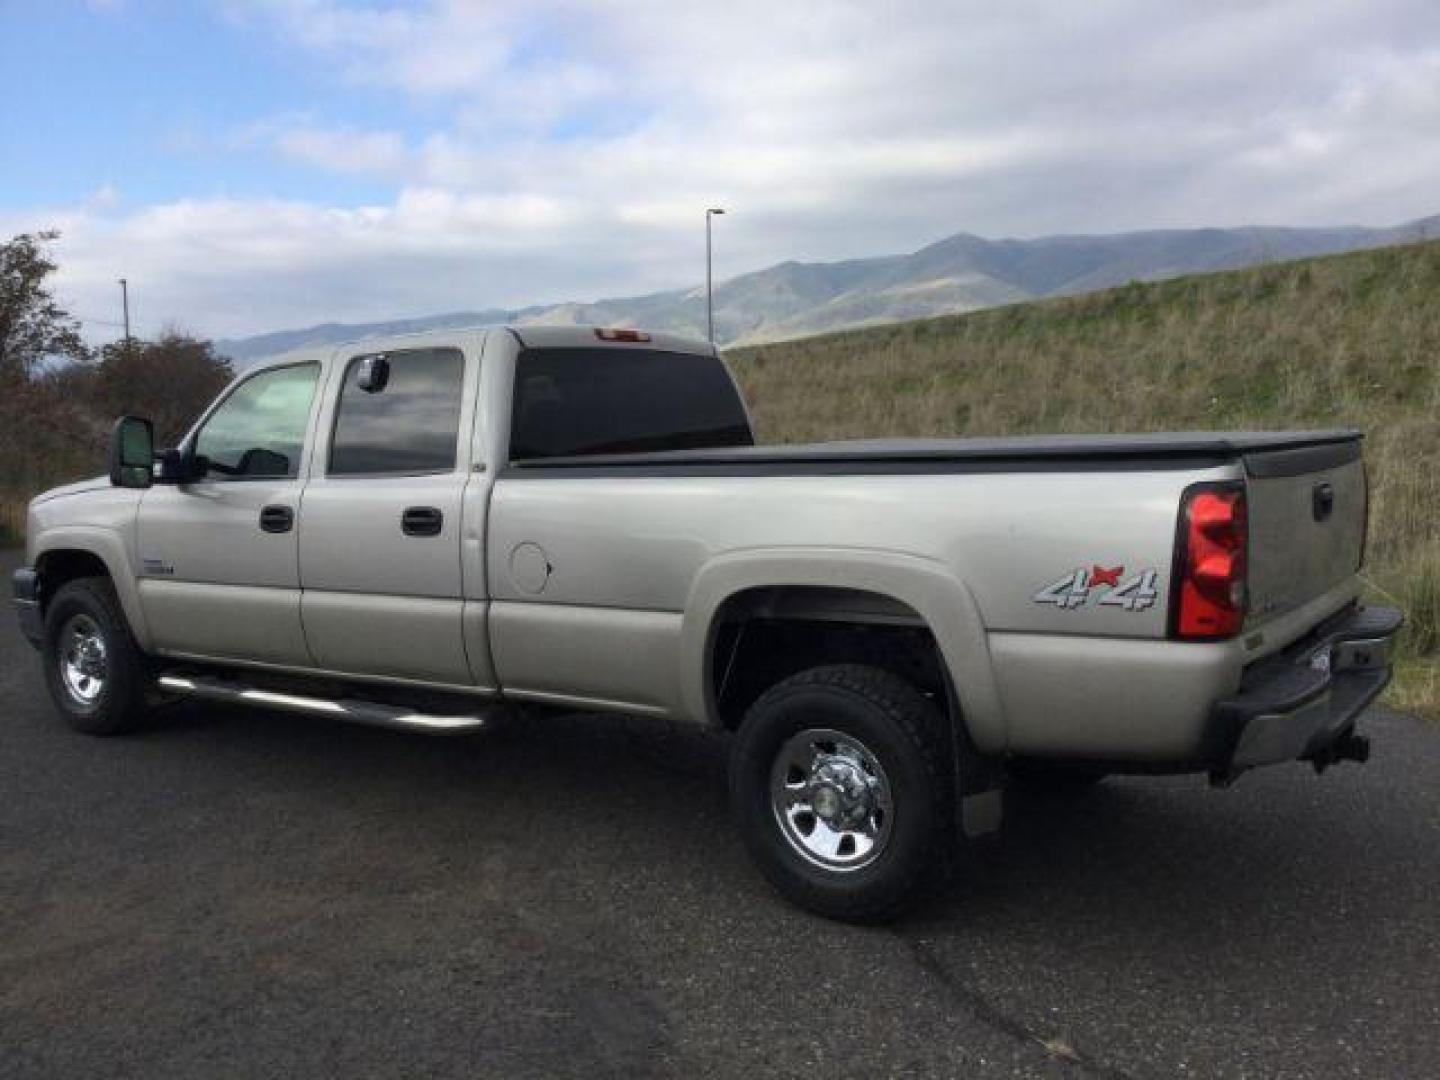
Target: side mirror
<point x="132" y="452"/>
<point x="373" y="374"/>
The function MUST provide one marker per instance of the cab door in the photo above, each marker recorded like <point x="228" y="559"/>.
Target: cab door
<point x="219" y="557"/>
<point x="381" y="525"/>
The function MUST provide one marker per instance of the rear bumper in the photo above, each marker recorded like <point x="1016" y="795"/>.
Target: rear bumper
<point x="25" y="585"/>
<point x="1303" y="703"/>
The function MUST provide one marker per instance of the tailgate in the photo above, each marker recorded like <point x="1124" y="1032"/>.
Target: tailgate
<point x="1307" y="524"/>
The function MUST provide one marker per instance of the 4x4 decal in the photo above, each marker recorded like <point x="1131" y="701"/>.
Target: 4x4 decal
<point x="1135" y="593"/>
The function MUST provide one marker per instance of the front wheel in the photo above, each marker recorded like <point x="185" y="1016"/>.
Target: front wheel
<point x="840" y="785"/>
<point x="93" y="669"/>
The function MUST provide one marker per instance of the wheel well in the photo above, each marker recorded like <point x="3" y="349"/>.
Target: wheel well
<point x="55" y="568"/>
<point x="764" y="635"/>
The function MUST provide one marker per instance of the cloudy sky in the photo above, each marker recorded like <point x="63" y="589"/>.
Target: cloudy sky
<point x="253" y="165"/>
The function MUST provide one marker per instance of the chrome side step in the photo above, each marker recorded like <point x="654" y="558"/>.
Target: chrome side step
<point x="359" y="712"/>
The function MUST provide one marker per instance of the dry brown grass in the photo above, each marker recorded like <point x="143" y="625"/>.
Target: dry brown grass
<point x="47" y="436"/>
<point x="1338" y="341"/>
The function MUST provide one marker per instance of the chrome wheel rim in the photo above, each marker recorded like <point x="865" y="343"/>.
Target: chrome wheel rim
<point x="83" y="660"/>
<point x="831" y="799"/>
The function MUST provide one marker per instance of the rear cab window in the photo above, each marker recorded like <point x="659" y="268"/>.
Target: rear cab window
<point x="578" y="401"/>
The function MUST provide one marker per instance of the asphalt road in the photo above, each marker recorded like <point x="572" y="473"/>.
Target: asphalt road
<point x="249" y="894"/>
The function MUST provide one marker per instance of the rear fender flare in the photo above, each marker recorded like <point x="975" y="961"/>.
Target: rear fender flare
<point x="928" y="587"/>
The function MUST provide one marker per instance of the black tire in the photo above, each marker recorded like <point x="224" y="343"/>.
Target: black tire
<point x="1055" y="780"/>
<point x="906" y="735"/>
<point x="115" y="702"/>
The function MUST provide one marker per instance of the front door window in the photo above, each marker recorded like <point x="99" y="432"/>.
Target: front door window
<point x="259" y="430"/>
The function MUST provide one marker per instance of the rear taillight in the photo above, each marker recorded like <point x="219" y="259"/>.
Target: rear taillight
<point x="607" y="334"/>
<point x="1208" y="600"/>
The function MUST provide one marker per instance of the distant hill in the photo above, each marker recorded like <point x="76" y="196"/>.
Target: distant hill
<point x="958" y="274"/>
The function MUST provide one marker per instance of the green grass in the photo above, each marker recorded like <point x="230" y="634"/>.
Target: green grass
<point x="1336" y="341"/>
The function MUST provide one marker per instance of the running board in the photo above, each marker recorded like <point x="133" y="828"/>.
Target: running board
<point x="371" y="713"/>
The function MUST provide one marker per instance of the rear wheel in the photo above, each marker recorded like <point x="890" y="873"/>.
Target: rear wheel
<point x="93" y="669"/>
<point x="840" y="785"/>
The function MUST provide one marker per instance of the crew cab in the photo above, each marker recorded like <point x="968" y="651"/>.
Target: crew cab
<point x="421" y="532"/>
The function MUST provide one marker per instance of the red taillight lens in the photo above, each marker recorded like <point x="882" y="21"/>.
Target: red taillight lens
<point x="1210" y="568"/>
<point x="622" y="335"/>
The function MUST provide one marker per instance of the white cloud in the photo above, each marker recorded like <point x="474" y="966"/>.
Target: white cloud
<point x="579" y="140"/>
<point x="105" y="197"/>
<point x="344" y="149"/>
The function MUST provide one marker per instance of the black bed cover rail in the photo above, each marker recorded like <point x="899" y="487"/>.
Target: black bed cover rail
<point x="1265" y="453"/>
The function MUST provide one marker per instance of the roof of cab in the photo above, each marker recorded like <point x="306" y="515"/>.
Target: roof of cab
<point x="532" y="337"/>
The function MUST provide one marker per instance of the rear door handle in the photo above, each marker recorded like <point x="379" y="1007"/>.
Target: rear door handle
<point x="422" y="521"/>
<point x="277" y="519"/>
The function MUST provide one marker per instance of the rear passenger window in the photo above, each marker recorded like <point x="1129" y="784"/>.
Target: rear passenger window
<point x="407" y="421"/>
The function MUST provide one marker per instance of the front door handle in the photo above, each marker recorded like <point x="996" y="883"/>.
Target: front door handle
<point x="422" y="521"/>
<point x="277" y="519"/>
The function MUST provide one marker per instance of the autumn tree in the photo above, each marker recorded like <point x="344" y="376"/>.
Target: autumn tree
<point x="58" y="398"/>
<point x="34" y="328"/>
<point x="169" y="380"/>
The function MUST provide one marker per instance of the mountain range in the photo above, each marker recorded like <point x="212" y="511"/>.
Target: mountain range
<point x="960" y="273"/>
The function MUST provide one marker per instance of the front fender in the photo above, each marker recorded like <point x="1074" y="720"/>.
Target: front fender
<point x="109" y="546"/>
<point x="928" y="587"/>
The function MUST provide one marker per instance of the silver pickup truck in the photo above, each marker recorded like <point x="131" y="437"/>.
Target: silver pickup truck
<point x="420" y="532"/>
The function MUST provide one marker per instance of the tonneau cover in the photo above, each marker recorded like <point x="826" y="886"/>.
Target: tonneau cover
<point x="1164" y="449"/>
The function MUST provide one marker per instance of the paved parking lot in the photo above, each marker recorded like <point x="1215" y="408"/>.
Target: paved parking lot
<point x="249" y="894"/>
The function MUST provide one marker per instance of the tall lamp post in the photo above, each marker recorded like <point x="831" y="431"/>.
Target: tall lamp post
<point x="710" y="276"/>
<point x="125" y="306"/>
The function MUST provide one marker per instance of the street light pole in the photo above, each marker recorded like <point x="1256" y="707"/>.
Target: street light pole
<point x="710" y="277"/>
<point x="125" y="303"/>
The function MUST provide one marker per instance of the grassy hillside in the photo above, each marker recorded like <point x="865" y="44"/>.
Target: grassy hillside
<point x="1342" y="340"/>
